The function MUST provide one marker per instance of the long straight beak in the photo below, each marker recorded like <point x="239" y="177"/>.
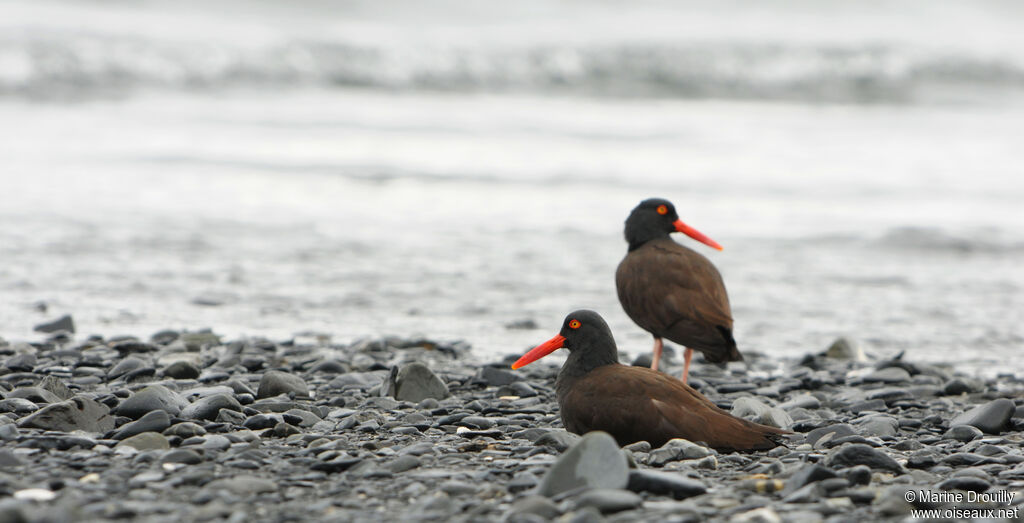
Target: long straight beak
<point x="540" y="351"/>
<point x="695" y="234"/>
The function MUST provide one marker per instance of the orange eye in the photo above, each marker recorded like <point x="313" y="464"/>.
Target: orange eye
<point x="574" y="324"/>
<point x="662" y="209"/>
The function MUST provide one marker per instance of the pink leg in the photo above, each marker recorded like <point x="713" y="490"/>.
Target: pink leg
<point x="687" y="356"/>
<point x="657" y="353"/>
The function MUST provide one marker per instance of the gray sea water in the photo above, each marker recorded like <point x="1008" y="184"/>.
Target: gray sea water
<point x="448" y="168"/>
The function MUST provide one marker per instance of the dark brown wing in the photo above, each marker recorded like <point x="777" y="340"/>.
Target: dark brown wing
<point x="676" y="293"/>
<point x="638" y="404"/>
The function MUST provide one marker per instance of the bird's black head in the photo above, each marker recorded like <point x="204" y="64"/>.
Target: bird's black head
<point x="656" y="218"/>
<point x="585" y="334"/>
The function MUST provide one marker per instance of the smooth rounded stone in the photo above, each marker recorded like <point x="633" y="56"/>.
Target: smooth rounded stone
<point x="991" y="417"/>
<point x="181" y="455"/>
<point x="879" y="425"/>
<point x="207" y="408"/>
<point x="242" y="485"/>
<point x="677" y="449"/>
<point x="776" y="417"/>
<point x="958" y="386"/>
<point x="535" y="505"/>
<point x="78" y="413"/>
<point x="9" y="460"/>
<point x="808" y="474"/>
<point x="837" y="431"/>
<point x="428" y="404"/>
<point x="403" y="463"/>
<point x="661" y="483"/>
<point x="496" y="376"/>
<point x="9" y="432"/>
<point x="182" y="370"/>
<point x="522" y="481"/>
<point x="595" y="461"/>
<point x="62" y="324"/>
<point x="230" y="417"/>
<point x="283" y="430"/>
<point x="215" y="442"/>
<point x="18" y="406"/>
<point x="477" y="422"/>
<point x="801" y="401"/>
<point x="416" y="382"/>
<point x="922" y="459"/>
<point x="965" y="483"/>
<point x="125" y="366"/>
<point x="990" y="450"/>
<point x="458" y="488"/>
<point x="874" y="405"/>
<point x="750" y="408"/>
<point x="23" y="362"/>
<point x="153" y="397"/>
<point x="893" y="501"/>
<point x="185" y="430"/>
<point x="381" y="403"/>
<point x="859" y="475"/>
<point x="146" y="441"/>
<point x="853" y="454"/>
<point x="608" y="500"/>
<point x="302" y="417"/>
<point x="329" y="367"/>
<point x="275" y="382"/>
<point x="418" y="449"/>
<point x="262" y="421"/>
<point x="156" y="421"/>
<point x="887" y="375"/>
<point x="844" y="348"/>
<point x="34" y="394"/>
<point x="963" y="433"/>
<point x="557" y="439"/>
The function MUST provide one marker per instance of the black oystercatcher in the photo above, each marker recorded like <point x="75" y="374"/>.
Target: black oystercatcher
<point x="596" y="392"/>
<point x="671" y="291"/>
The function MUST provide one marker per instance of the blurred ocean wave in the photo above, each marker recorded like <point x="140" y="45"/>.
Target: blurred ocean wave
<point x="46" y="66"/>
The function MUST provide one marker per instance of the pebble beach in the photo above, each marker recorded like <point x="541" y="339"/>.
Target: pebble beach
<point x="187" y="426"/>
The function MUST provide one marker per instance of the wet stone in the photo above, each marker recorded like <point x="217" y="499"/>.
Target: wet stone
<point x="963" y="433"/>
<point x="595" y="461"/>
<point x="182" y="370"/>
<point x="669" y="484"/>
<point x="859" y="454"/>
<point x="609" y="501"/>
<point x="153" y="397"/>
<point x="156" y="421"/>
<point x="274" y="383"/>
<point x="207" y="408"/>
<point x="992" y="417"/>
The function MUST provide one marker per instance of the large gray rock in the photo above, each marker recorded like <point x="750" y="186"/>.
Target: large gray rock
<point x="62" y="324"/>
<point x="208" y="407"/>
<point x="596" y="461"/>
<point x="416" y="382"/>
<point x="78" y="413"/>
<point x="277" y="382"/>
<point x="34" y="394"/>
<point x="992" y="417"/>
<point x="156" y="421"/>
<point x="153" y="397"/>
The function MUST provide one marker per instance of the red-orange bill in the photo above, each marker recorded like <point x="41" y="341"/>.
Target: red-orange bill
<point x="695" y="234"/>
<point x="540" y="351"/>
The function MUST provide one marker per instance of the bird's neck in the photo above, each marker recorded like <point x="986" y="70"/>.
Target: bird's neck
<point x="580" y="363"/>
<point x="637" y="235"/>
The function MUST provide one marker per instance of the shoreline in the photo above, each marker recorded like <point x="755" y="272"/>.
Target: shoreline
<point x="212" y="438"/>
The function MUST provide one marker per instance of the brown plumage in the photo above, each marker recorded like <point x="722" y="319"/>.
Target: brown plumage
<point x="672" y="291"/>
<point x="595" y="392"/>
